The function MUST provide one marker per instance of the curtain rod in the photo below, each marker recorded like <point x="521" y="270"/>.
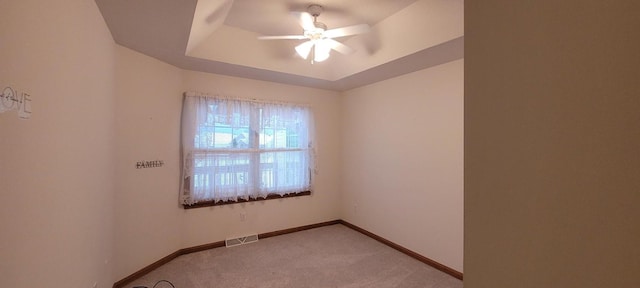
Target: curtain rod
<point x="220" y="96"/>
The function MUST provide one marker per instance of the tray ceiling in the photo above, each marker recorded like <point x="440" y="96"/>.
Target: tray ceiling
<point x="219" y="36"/>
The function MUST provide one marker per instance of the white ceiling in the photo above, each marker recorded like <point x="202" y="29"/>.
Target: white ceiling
<point x="219" y="36"/>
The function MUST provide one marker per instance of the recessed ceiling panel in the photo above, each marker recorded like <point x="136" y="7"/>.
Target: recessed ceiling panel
<point x="220" y="36"/>
<point x="276" y="17"/>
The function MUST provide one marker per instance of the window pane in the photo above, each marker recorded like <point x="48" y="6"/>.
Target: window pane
<point x="284" y="171"/>
<point x="222" y="137"/>
<point x="267" y="138"/>
<point x="280" y="138"/>
<point x="240" y="138"/>
<point x="221" y="175"/>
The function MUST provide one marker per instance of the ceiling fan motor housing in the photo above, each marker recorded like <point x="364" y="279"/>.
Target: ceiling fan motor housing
<point x="316" y="33"/>
<point x="315" y="10"/>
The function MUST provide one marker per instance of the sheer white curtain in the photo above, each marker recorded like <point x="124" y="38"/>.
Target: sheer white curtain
<point x="244" y="149"/>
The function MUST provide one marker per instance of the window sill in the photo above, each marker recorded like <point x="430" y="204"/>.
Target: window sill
<point x="269" y="197"/>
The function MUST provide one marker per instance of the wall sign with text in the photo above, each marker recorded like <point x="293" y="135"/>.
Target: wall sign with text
<point x="149" y="164"/>
<point x="12" y="99"/>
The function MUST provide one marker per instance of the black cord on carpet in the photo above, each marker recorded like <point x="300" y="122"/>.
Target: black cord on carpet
<point x="154" y="286"/>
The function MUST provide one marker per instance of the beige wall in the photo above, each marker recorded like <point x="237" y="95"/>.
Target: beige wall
<point x="552" y="134"/>
<point x="148" y="101"/>
<point x="402" y="161"/>
<point x="57" y="168"/>
<point x="205" y="225"/>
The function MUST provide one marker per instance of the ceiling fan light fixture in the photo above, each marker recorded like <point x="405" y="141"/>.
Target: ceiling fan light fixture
<point x="322" y="50"/>
<point x="318" y="37"/>
<point x="321" y="57"/>
<point x="304" y="49"/>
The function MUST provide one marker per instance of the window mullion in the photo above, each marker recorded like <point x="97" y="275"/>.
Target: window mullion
<point x="255" y="127"/>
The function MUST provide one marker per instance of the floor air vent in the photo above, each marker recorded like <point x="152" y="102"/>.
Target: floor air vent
<point x="241" y="240"/>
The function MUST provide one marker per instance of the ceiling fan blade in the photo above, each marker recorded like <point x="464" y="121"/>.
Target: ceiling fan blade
<point x="304" y="49"/>
<point x="306" y="21"/>
<point x="290" y="37"/>
<point x="335" y="45"/>
<point x="346" y="31"/>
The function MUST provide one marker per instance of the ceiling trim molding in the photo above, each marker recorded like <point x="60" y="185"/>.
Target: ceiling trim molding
<point x="442" y="53"/>
<point x="439" y="54"/>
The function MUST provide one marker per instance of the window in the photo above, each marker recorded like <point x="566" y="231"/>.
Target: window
<point x="235" y="150"/>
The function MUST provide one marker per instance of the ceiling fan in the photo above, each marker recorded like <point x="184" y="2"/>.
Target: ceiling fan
<point x="319" y="39"/>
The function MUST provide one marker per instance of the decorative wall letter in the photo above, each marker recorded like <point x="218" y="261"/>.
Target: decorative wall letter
<point x="11" y="99"/>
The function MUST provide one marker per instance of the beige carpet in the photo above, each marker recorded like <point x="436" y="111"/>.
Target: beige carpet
<point x="331" y="256"/>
